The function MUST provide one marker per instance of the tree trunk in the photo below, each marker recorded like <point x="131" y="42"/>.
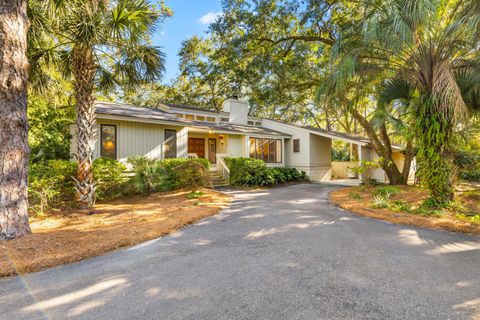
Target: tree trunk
<point x="409" y="154"/>
<point x="14" y="148"/>
<point x="382" y="147"/>
<point x="83" y="68"/>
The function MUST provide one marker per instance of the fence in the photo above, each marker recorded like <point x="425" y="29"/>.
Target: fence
<point x="340" y="169"/>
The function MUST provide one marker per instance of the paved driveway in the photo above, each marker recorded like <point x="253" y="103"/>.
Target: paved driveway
<point x="278" y="254"/>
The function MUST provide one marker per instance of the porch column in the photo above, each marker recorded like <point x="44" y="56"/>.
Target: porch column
<point x="360" y="160"/>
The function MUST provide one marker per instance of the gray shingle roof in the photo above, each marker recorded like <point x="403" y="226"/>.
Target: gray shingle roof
<point x="130" y="111"/>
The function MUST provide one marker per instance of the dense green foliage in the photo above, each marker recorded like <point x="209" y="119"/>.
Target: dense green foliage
<point x="254" y="172"/>
<point x="468" y="163"/>
<point x="50" y="184"/>
<point x="152" y="175"/>
<point x="110" y="178"/>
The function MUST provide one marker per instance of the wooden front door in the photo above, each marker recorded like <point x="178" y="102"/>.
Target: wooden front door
<point x="212" y="150"/>
<point x="197" y="145"/>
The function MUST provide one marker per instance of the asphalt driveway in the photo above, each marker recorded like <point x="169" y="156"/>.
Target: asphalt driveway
<point x="284" y="253"/>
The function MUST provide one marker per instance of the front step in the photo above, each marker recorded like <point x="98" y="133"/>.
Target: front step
<point x="217" y="179"/>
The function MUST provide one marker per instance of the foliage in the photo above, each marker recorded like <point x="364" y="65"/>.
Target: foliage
<point x="50" y="184"/>
<point x="340" y="155"/>
<point x="194" y="195"/>
<point x="148" y="175"/>
<point x="110" y="178"/>
<point x="254" y="172"/>
<point x="192" y="174"/>
<point x="380" y="202"/>
<point x="386" y="191"/>
<point x="355" y="195"/>
<point x="473" y="176"/>
<point x="249" y="172"/>
<point x="172" y="176"/>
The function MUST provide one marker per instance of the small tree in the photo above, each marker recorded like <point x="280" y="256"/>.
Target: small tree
<point x="101" y="45"/>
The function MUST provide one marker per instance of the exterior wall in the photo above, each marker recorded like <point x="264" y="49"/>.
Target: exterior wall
<point x="238" y="111"/>
<point x="299" y="160"/>
<point x="236" y="146"/>
<point x="134" y="138"/>
<point x="320" y="158"/>
<point x="221" y="148"/>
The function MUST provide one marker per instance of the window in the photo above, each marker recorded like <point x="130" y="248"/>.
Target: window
<point x="201" y="118"/>
<point x="189" y="116"/>
<point x="108" y="138"/>
<point x="268" y="150"/>
<point x="179" y="115"/>
<point x="211" y="119"/>
<point x="296" y="145"/>
<point x="250" y="123"/>
<point x="258" y="123"/>
<point x="170" y="144"/>
<point x="224" y="120"/>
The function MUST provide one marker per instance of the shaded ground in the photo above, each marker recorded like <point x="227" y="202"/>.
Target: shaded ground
<point x="62" y="239"/>
<point x="283" y="253"/>
<point x="405" y="208"/>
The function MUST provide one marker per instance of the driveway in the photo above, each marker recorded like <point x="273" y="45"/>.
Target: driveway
<point x="284" y="253"/>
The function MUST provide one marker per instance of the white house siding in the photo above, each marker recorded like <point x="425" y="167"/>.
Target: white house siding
<point x="133" y="138"/>
<point x="236" y="146"/>
<point x="299" y="160"/>
<point x="320" y="158"/>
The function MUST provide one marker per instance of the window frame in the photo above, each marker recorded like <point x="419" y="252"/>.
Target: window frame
<point x="259" y="145"/>
<point x="101" y="140"/>
<point x="165" y="139"/>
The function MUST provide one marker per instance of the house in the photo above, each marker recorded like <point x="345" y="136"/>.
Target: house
<point x="172" y="131"/>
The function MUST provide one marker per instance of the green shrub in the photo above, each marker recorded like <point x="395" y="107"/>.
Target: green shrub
<point x="249" y="172"/>
<point x="472" y="176"/>
<point x="50" y="183"/>
<point x="386" y="191"/>
<point x="110" y="178"/>
<point x="254" y="172"/>
<point x="191" y="174"/>
<point x="148" y="175"/>
<point x="172" y="179"/>
<point x="400" y="205"/>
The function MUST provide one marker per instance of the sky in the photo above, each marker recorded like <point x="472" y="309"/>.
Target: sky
<point x="190" y="17"/>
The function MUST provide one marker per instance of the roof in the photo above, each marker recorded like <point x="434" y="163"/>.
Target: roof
<point x="158" y="115"/>
<point x="348" y="137"/>
<point x="175" y="106"/>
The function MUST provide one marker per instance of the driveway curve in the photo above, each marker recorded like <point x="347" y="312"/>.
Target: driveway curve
<point x="284" y="253"/>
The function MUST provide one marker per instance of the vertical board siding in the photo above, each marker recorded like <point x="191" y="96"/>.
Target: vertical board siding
<point x="340" y="169"/>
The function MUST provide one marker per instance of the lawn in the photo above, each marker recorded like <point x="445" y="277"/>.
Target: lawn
<point x="59" y="239"/>
<point x="405" y="205"/>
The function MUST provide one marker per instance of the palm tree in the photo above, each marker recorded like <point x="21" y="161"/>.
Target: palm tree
<point x="101" y="45"/>
<point x="14" y="149"/>
<point x="426" y="44"/>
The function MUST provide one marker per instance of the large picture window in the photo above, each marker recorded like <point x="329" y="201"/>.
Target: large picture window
<point x="268" y="150"/>
<point x="108" y="138"/>
<point x="170" y="144"/>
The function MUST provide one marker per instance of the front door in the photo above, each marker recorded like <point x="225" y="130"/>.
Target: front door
<point x="212" y="150"/>
<point x="197" y="145"/>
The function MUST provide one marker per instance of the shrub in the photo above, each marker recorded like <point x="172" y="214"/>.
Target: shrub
<point x="473" y="176"/>
<point x="110" y="178"/>
<point x="192" y="174"/>
<point x="254" y="172"/>
<point x="172" y="180"/>
<point x="149" y="175"/>
<point x="355" y="195"/>
<point x="249" y="172"/>
<point x="50" y="183"/>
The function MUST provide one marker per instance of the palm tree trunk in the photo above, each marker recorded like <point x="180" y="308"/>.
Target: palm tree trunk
<point x="83" y="67"/>
<point x="14" y="148"/>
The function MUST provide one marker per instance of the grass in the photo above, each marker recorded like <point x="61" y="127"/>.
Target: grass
<point x="61" y="239"/>
<point x="411" y="206"/>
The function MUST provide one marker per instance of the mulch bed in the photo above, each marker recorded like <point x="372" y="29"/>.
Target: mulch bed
<point x="411" y="195"/>
<point x="60" y="239"/>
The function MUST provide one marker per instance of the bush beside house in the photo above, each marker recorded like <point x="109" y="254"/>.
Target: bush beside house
<point x="468" y="163"/>
<point x="51" y="182"/>
<point x="254" y="172"/>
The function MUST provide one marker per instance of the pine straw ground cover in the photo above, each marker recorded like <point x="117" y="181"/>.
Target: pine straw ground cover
<point x="404" y="207"/>
<point x="61" y="239"/>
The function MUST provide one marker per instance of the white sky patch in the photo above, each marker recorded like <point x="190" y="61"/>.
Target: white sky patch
<point x="209" y="17"/>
